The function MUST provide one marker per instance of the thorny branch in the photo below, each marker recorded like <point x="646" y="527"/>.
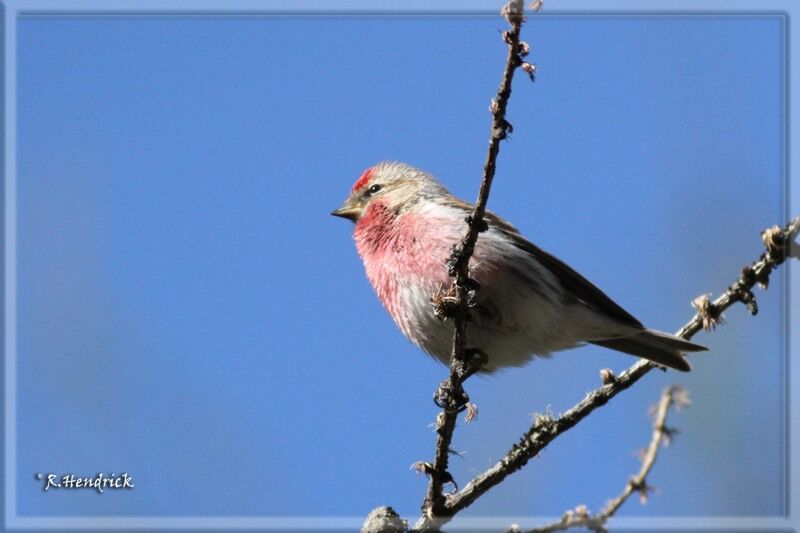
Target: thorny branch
<point x="780" y="246"/>
<point x="580" y="516"/>
<point x="451" y="396"/>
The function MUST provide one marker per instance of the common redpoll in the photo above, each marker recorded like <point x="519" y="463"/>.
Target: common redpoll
<point x="529" y="302"/>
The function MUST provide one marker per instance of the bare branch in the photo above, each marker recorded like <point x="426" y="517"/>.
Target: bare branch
<point x="456" y="302"/>
<point x="580" y="516"/>
<point x="780" y="246"/>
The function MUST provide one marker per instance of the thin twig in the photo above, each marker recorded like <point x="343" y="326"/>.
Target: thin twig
<point x="451" y="395"/>
<point x="580" y="516"/>
<point x="780" y="245"/>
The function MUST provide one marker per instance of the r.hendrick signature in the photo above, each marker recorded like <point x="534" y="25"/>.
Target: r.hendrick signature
<point x="98" y="482"/>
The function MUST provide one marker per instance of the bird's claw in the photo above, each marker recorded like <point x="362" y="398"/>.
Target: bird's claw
<point x="449" y="399"/>
<point x="474" y="360"/>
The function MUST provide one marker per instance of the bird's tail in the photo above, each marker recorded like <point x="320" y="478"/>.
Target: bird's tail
<point x="657" y="346"/>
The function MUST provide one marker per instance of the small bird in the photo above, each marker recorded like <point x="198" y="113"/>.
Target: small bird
<point x="529" y="302"/>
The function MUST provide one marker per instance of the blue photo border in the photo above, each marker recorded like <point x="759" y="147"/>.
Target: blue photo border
<point x="11" y="11"/>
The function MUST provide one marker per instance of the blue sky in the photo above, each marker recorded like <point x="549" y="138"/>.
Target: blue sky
<point x="189" y="312"/>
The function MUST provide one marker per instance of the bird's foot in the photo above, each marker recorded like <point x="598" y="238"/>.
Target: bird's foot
<point x="450" y="398"/>
<point x="474" y="360"/>
<point x="455" y="401"/>
<point x="455" y="398"/>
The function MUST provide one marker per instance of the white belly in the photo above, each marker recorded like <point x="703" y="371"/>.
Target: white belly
<point x="514" y="320"/>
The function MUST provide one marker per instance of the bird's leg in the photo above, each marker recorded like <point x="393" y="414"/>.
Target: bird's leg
<point x="445" y="396"/>
<point x="474" y="360"/>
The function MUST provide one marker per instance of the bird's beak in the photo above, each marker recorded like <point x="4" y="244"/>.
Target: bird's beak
<point x="349" y="211"/>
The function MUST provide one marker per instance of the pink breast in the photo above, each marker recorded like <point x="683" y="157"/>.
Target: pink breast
<point x="403" y="255"/>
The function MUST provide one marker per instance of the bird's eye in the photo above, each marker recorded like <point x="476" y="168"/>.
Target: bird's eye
<point x="372" y="190"/>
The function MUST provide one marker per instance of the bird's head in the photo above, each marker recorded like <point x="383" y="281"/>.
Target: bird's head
<point x="396" y="187"/>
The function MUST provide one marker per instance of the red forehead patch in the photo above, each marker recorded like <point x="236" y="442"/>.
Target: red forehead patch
<point x="363" y="180"/>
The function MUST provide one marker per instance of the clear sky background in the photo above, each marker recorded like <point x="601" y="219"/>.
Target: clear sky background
<point x="189" y="312"/>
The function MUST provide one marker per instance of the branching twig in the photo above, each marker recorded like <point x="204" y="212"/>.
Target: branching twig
<point x="780" y="245"/>
<point x="451" y="396"/>
<point x="580" y="516"/>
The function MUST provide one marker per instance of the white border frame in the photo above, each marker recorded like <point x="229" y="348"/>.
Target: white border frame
<point x="13" y="8"/>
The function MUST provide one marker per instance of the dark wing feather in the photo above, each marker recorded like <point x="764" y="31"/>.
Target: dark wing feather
<point x="580" y="287"/>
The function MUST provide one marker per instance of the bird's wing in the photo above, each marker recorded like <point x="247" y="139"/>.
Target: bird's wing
<point x="580" y="287"/>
